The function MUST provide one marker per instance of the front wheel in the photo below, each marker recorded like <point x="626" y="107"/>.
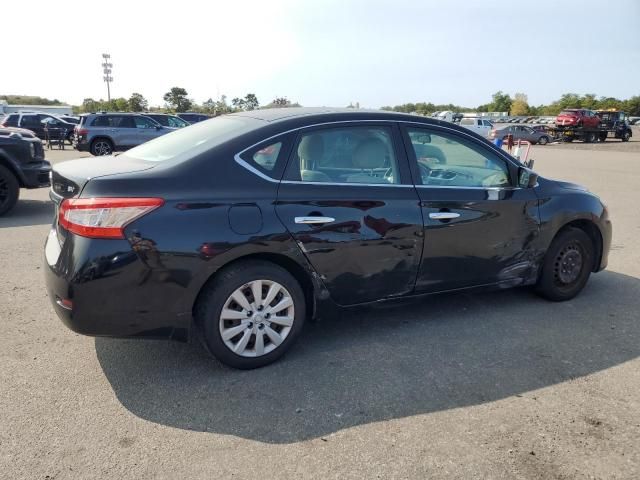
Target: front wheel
<point x="251" y="314"/>
<point x="9" y="190"/>
<point x="626" y="136"/>
<point x="543" y="140"/>
<point x="567" y="265"/>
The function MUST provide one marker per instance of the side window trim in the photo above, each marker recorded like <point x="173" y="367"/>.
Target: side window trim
<point x="396" y="143"/>
<point x="415" y="170"/>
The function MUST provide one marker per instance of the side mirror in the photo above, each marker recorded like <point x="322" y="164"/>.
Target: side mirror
<point x="527" y="178"/>
<point x="158" y="127"/>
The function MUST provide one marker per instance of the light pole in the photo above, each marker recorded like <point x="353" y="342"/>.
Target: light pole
<point x="106" y="69"/>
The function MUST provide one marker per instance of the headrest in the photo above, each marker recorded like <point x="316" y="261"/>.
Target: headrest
<point x="370" y="153"/>
<point x="311" y="148"/>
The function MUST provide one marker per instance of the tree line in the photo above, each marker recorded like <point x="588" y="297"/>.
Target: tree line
<point x="519" y="105"/>
<point x="177" y="100"/>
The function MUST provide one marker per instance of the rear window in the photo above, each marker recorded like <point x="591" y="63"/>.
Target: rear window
<point x="11" y="120"/>
<point x="568" y="112"/>
<point x="189" y="142"/>
<point x="468" y="121"/>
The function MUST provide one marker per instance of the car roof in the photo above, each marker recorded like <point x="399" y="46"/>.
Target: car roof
<point x="111" y="113"/>
<point x="273" y="115"/>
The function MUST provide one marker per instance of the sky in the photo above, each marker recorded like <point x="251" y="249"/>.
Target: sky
<point x="322" y="52"/>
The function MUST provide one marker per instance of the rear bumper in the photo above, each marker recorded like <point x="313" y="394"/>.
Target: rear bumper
<point x="108" y="291"/>
<point x="36" y="175"/>
<point x="81" y="147"/>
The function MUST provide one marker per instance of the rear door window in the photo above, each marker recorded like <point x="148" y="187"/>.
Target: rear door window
<point x="30" y="121"/>
<point x="352" y="155"/>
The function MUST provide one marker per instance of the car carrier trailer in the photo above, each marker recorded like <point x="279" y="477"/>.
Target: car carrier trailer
<point x="614" y="124"/>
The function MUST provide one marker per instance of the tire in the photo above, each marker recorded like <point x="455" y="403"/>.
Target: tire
<point x="9" y="190"/>
<point x="101" y="146"/>
<point x="239" y="281"/>
<point x="590" y="137"/>
<point x="626" y="136"/>
<point x="567" y="265"/>
<point x="603" y="137"/>
<point x="543" y="140"/>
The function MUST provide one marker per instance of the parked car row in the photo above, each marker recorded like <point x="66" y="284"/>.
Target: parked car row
<point x="104" y="133"/>
<point x="39" y="122"/>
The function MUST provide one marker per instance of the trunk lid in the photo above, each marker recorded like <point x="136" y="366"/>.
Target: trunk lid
<point x="69" y="178"/>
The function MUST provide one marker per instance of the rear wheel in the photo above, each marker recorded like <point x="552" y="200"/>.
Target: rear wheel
<point x="626" y="136"/>
<point x="590" y="137"/>
<point x="251" y="314"/>
<point x="603" y="137"/>
<point x="567" y="265"/>
<point x="9" y="190"/>
<point x="101" y="146"/>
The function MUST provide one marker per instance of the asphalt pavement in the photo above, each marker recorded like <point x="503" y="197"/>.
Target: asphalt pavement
<point x="495" y="385"/>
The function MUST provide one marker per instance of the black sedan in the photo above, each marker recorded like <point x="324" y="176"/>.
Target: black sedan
<point x="240" y="228"/>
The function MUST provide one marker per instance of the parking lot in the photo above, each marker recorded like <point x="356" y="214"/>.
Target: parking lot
<point x="499" y="385"/>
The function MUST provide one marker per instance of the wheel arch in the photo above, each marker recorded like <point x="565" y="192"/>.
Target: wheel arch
<point x="591" y="229"/>
<point x="5" y="162"/>
<point x="302" y="276"/>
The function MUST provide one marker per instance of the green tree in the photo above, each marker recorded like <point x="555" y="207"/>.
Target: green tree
<point x="501" y="102"/>
<point x="177" y="99"/>
<point x="120" y="104"/>
<point x="520" y="105"/>
<point x="249" y="102"/>
<point x="90" y="105"/>
<point x="280" y="102"/>
<point x="137" y="103"/>
<point x="632" y="106"/>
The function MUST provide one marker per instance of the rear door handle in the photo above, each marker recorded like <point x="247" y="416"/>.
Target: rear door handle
<point x="443" y="215"/>
<point x="312" y="220"/>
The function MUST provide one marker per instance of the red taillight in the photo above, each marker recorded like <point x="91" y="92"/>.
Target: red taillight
<point x="103" y="217"/>
<point x="81" y="131"/>
<point x="3" y="124"/>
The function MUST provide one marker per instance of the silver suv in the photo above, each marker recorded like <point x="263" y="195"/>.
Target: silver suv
<point x="105" y="133"/>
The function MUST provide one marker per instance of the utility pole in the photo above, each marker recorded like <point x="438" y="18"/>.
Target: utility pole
<point x="106" y="69"/>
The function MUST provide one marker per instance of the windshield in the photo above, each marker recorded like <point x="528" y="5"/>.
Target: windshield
<point x="568" y="112"/>
<point x="193" y="140"/>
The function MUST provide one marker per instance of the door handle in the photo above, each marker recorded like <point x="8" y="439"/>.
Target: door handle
<point x="312" y="220"/>
<point x="443" y="215"/>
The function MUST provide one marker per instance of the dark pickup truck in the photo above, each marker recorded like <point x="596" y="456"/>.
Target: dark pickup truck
<point x="22" y="165"/>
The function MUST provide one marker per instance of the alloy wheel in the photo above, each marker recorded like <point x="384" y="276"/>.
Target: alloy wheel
<point x="102" y="148"/>
<point x="256" y="318"/>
